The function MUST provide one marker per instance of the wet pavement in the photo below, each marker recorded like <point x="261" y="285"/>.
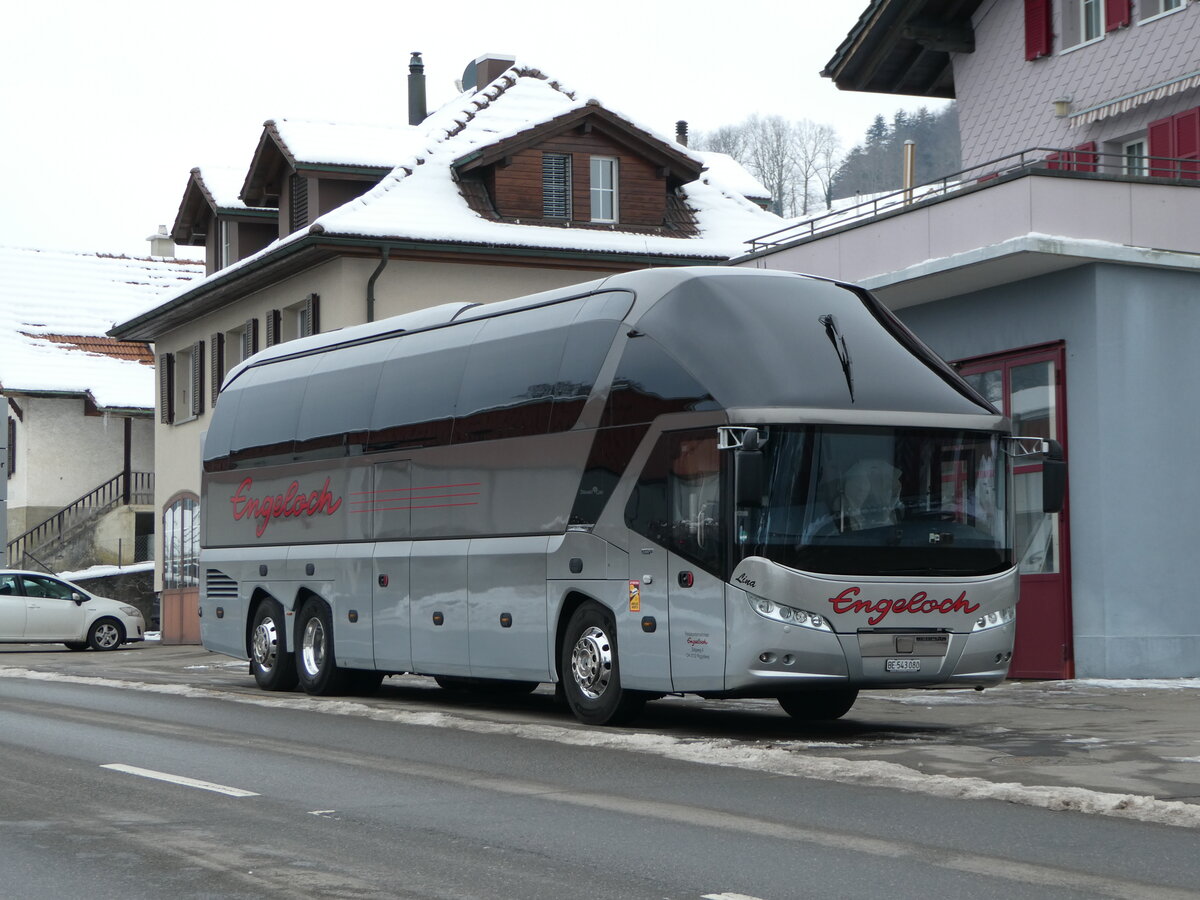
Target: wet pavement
<point x="1121" y="737"/>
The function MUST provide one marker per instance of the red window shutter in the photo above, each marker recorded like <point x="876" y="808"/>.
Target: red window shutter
<point x="1116" y="14"/>
<point x="1052" y="161"/>
<point x="1038" y="37"/>
<point x="1160" y="135"/>
<point x="1187" y="141"/>
<point x="1085" y="157"/>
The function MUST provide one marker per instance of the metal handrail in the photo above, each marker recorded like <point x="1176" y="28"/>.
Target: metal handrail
<point x="113" y="492"/>
<point x="1070" y="160"/>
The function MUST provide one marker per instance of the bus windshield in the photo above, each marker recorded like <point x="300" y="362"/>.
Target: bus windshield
<point x="881" y="501"/>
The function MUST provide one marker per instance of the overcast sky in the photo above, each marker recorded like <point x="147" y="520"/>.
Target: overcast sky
<point x="107" y="105"/>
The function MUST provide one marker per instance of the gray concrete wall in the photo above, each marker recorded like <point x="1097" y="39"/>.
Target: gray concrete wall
<point x="1131" y="371"/>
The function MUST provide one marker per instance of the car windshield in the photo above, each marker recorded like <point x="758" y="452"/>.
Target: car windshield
<point x="881" y="501"/>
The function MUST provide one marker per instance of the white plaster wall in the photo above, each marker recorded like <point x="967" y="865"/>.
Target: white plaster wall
<point x="1005" y="101"/>
<point x="403" y="286"/>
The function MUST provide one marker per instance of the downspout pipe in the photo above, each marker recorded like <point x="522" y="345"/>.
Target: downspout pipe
<point x="383" y="261"/>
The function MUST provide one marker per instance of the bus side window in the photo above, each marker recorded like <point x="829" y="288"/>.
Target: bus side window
<point x="677" y="500"/>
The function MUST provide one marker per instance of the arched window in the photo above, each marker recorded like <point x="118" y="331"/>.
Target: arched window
<point x="181" y="542"/>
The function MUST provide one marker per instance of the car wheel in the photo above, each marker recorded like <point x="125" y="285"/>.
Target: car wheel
<point x="814" y="706"/>
<point x="590" y="672"/>
<point x="316" y="664"/>
<point x="106" y="634"/>
<point x="272" y="666"/>
<point x="76" y="645"/>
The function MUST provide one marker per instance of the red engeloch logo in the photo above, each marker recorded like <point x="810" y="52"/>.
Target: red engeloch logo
<point x="920" y="602"/>
<point x="287" y="505"/>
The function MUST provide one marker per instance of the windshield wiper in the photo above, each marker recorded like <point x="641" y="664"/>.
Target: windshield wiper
<point x="839" y="347"/>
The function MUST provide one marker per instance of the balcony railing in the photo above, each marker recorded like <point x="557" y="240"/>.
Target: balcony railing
<point x="1070" y="162"/>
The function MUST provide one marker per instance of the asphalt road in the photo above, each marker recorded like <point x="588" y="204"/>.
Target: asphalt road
<point x="421" y="793"/>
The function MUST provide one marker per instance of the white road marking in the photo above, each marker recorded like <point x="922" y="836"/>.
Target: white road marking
<point x="322" y="813"/>
<point x="180" y="780"/>
<point x="728" y="896"/>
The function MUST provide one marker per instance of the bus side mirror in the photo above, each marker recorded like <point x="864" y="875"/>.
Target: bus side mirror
<point x="1054" y="478"/>
<point x="751" y="480"/>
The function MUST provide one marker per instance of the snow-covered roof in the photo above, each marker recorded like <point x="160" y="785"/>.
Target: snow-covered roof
<point x="727" y="171"/>
<point x="419" y="199"/>
<point x="347" y="143"/>
<point x="46" y="293"/>
<point x="223" y="184"/>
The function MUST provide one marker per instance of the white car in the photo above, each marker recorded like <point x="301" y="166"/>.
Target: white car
<point x="42" y="609"/>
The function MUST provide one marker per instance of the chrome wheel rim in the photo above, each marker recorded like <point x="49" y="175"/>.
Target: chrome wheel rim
<point x="591" y="662"/>
<point x="107" y="636"/>
<point x="312" y="647"/>
<point x="265" y="645"/>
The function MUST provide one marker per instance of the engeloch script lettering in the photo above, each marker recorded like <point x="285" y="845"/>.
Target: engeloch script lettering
<point x="289" y="504"/>
<point x="920" y="602"/>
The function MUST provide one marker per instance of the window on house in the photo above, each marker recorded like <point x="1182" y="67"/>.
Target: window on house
<point x="1133" y="157"/>
<point x="1150" y="9"/>
<point x="604" y="189"/>
<point x="1082" y="22"/>
<point x="226" y="257"/>
<point x="556" y="185"/>
<point x="181" y="544"/>
<point x="185" y="389"/>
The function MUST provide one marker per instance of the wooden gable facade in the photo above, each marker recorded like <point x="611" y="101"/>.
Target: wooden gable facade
<point x="522" y="179"/>
<point x="227" y="232"/>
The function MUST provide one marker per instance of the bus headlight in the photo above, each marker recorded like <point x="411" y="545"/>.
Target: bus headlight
<point x="995" y="619"/>
<point x="787" y="615"/>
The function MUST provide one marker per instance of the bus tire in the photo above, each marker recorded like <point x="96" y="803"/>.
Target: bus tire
<point x="316" y="663"/>
<point x="815" y="706"/>
<point x="590" y="671"/>
<point x="272" y="667"/>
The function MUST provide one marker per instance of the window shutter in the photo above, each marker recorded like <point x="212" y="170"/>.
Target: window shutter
<point x="273" y="328"/>
<point x="556" y="185"/>
<point x="1038" y="37"/>
<point x="12" y="446"/>
<point x="166" y="388"/>
<point x="250" y="338"/>
<point x="217" y="343"/>
<point x="1052" y="161"/>
<point x="1160" y="136"/>
<point x="1085" y="157"/>
<point x="1116" y="14"/>
<point x="299" y="202"/>
<point x="1187" y="141"/>
<point x="197" y="376"/>
<point x="310" y="321"/>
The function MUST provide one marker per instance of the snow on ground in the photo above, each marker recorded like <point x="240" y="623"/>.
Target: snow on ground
<point x="107" y="571"/>
<point x="776" y="757"/>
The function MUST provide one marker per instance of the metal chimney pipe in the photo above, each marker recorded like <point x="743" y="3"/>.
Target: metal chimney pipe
<point x="681" y="132"/>
<point x="416" y="89"/>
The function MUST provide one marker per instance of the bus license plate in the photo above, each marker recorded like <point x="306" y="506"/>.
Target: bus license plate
<point x="902" y="665"/>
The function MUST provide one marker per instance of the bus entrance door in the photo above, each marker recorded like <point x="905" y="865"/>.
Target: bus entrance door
<point x="697" y="616"/>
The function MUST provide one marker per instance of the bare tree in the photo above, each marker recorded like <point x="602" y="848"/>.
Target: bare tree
<point x="817" y="148"/>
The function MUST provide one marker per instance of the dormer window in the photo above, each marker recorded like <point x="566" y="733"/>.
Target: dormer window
<point x="604" y="188"/>
<point x="556" y="185"/>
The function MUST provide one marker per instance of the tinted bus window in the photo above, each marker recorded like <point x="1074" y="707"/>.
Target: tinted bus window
<point x="650" y="383"/>
<point x="588" y="341"/>
<point x="335" y="414"/>
<point x="508" y="386"/>
<point x="418" y="388"/>
<point x="265" y="423"/>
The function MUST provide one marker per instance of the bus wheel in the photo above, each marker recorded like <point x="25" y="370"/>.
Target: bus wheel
<point x="273" y="668"/>
<point x="591" y="676"/>
<point x="316" y="665"/>
<point x="813" y="706"/>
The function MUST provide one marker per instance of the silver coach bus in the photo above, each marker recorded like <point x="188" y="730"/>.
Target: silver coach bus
<point x="726" y="482"/>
